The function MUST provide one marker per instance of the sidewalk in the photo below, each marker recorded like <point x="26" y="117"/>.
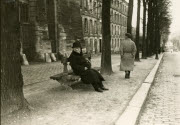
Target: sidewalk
<point x="83" y="106"/>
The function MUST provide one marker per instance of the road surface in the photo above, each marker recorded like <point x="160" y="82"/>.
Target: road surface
<point x="163" y="104"/>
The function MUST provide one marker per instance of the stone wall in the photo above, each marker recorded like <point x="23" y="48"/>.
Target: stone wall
<point x="70" y="19"/>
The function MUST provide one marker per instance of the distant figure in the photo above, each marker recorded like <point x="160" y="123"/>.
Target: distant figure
<point x="82" y="67"/>
<point x="127" y="52"/>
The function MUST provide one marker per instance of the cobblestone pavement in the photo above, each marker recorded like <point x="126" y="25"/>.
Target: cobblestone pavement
<point x="163" y="104"/>
<point x="37" y="73"/>
<point x="40" y="72"/>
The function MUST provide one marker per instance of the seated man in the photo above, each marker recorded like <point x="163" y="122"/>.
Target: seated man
<point x="82" y="67"/>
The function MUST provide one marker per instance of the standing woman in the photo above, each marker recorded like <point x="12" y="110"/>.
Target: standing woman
<point x="127" y="52"/>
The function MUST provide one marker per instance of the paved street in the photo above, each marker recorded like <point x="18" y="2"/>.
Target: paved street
<point x="37" y="73"/>
<point x="163" y="104"/>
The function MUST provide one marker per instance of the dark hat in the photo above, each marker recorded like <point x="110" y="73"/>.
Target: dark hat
<point x="77" y="44"/>
<point x="128" y="35"/>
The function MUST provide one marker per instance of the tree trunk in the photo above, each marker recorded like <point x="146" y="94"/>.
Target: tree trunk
<point x="144" y="56"/>
<point x="53" y="24"/>
<point x="156" y="20"/>
<point x="130" y="14"/>
<point x="159" y="40"/>
<point x="106" y="66"/>
<point x="153" y="43"/>
<point x="137" y="30"/>
<point x="150" y="27"/>
<point x="12" y="97"/>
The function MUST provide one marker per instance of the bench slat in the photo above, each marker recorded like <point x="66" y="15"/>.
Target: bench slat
<point x="69" y="76"/>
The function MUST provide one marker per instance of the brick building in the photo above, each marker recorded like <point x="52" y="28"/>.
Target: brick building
<point x="75" y="18"/>
<point x="91" y="18"/>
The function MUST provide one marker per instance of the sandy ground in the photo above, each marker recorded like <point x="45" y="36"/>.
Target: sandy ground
<point x="52" y="105"/>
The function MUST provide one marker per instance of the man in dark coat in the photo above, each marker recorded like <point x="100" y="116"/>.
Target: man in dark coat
<point x="82" y="67"/>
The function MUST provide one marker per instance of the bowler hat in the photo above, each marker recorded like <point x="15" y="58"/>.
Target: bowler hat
<point x="128" y="35"/>
<point x="76" y="44"/>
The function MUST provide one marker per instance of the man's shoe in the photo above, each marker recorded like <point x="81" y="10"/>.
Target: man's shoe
<point x="103" y="88"/>
<point x="99" y="90"/>
<point x="126" y="76"/>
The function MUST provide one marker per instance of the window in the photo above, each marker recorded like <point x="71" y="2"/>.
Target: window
<point x="95" y="27"/>
<point x="114" y="17"/>
<point x="117" y="30"/>
<point x="120" y="19"/>
<point x="85" y="4"/>
<point x="101" y="28"/>
<point x="112" y="30"/>
<point x="95" y="8"/>
<point x="112" y="43"/>
<point x="85" y="25"/>
<point x="91" y="27"/>
<point x="123" y="8"/>
<point x="81" y="3"/>
<point x="90" y="6"/>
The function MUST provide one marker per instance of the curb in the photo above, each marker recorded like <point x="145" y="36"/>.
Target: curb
<point x="131" y="113"/>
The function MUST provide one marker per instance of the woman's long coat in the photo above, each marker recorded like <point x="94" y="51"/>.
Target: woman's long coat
<point x="127" y="52"/>
<point x="78" y="64"/>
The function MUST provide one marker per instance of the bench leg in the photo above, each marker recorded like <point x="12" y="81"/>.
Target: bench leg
<point x="65" y="85"/>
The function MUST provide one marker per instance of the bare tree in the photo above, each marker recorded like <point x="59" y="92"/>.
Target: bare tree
<point x="161" y="16"/>
<point x="158" y="24"/>
<point x="150" y="28"/>
<point x="164" y="20"/>
<point x="137" y="29"/>
<point x="106" y="66"/>
<point x="156" y="28"/>
<point x="144" y="56"/>
<point x="130" y="14"/>
<point x="12" y="97"/>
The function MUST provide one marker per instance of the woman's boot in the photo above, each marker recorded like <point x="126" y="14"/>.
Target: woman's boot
<point x="129" y="74"/>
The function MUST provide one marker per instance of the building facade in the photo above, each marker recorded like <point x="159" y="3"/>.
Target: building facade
<point x="75" y="18"/>
<point x="92" y="23"/>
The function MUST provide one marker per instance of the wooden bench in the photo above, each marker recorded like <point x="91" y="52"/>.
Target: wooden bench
<point x="67" y="77"/>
